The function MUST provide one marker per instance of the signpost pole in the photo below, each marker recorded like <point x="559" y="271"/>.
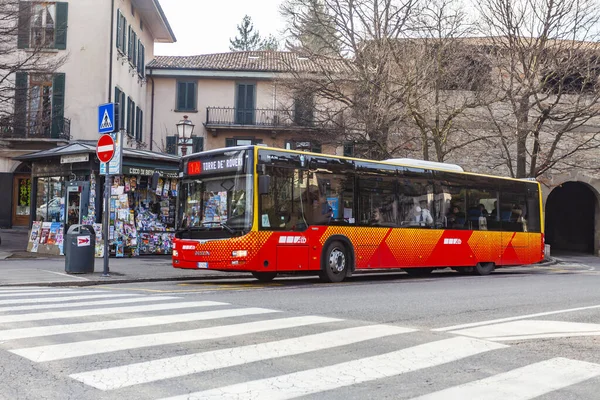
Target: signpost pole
<point x="106" y="124"/>
<point x="106" y="218"/>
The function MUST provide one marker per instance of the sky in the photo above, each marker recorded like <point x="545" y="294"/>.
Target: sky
<point x="205" y="26"/>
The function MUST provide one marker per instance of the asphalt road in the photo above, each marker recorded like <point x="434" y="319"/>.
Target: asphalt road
<point x="520" y="333"/>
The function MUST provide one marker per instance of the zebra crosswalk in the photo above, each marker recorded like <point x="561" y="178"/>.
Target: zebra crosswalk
<point x="41" y="326"/>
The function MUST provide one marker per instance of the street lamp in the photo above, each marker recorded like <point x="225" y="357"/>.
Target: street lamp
<point x="185" y="129"/>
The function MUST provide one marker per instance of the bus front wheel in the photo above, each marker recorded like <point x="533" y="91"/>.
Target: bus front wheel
<point x="335" y="263"/>
<point x="484" y="268"/>
<point x="264" y="276"/>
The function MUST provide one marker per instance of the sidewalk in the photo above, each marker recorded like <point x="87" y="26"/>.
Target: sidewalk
<point x="20" y="268"/>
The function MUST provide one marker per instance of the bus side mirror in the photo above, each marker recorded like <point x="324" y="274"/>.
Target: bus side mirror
<point x="264" y="182"/>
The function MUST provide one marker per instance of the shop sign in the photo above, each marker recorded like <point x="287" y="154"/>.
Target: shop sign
<point x="74" y="158"/>
<point x="149" y="172"/>
<point x="217" y="164"/>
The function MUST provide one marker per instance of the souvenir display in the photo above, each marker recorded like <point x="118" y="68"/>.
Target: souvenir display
<point x="48" y="235"/>
<point x="142" y="220"/>
<point x="99" y="250"/>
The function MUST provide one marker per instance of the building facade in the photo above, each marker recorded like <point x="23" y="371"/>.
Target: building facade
<point x="101" y="49"/>
<point x="233" y="99"/>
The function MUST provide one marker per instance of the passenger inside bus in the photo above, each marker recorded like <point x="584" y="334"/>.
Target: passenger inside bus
<point x="456" y="218"/>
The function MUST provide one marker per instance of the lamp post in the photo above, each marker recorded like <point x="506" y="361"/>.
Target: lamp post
<point x="185" y="129"/>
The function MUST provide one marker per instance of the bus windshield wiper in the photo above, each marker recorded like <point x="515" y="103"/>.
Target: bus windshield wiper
<point x="221" y="224"/>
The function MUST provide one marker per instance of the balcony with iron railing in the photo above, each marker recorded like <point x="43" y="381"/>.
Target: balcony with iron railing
<point x="257" y="118"/>
<point x="50" y="128"/>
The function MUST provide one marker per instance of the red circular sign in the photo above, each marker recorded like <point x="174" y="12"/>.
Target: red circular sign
<point x="105" y="149"/>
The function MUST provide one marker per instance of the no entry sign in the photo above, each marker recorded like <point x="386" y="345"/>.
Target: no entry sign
<point x="105" y="149"/>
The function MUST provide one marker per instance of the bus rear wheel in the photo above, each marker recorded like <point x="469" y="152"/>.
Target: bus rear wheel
<point x="264" y="276"/>
<point x="335" y="263"/>
<point x="485" y="268"/>
<point x="418" y="271"/>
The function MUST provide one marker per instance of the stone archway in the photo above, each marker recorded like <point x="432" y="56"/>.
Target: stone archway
<point x="570" y="218"/>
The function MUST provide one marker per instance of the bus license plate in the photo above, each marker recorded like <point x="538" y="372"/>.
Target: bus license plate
<point x="203" y="265"/>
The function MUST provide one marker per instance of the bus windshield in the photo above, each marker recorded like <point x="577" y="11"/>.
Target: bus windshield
<point x="223" y="202"/>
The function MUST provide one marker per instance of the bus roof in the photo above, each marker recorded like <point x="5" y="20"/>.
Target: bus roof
<point x="425" y="164"/>
<point x="407" y="162"/>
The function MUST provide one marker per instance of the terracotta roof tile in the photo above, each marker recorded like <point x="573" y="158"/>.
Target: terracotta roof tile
<point x="263" y="61"/>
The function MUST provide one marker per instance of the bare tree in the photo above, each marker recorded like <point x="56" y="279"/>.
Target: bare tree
<point x="22" y="26"/>
<point x="351" y="79"/>
<point x="445" y="78"/>
<point x="546" y="62"/>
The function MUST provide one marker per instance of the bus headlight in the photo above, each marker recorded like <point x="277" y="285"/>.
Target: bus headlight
<point x="175" y="253"/>
<point x="240" y="253"/>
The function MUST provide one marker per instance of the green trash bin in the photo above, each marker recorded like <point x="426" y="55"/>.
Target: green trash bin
<point x="80" y="247"/>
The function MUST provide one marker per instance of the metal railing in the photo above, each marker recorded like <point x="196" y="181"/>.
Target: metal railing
<point x="258" y="117"/>
<point x="51" y="128"/>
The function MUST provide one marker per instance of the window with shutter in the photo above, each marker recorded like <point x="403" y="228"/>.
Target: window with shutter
<point x="197" y="144"/>
<point x="141" y="126"/>
<point x="130" y="116"/>
<point x="138" y="123"/>
<point x="119" y="30"/>
<point x="186" y="96"/>
<point x="124" y="35"/>
<point x="130" y="45"/>
<point x="24" y="25"/>
<point x="58" y="106"/>
<point x="20" y="113"/>
<point x="135" y="45"/>
<point x="60" y="36"/>
<point x="171" y="145"/>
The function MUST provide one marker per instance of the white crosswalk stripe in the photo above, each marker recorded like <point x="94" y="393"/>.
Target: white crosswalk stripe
<point x="522" y="383"/>
<point x="64" y="299"/>
<point x="12" y="334"/>
<point x="71" y="350"/>
<point x="118" y="377"/>
<point x="95" y="303"/>
<point x="108" y="311"/>
<point x="350" y="373"/>
<point x="241" y="338"/>
<point x="48" y="293"/>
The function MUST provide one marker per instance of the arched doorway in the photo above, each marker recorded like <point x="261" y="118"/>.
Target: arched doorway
<point x="570" y="218"/>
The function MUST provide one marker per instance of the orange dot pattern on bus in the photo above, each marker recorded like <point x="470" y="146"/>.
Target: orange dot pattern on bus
<point x="374" y="248"/>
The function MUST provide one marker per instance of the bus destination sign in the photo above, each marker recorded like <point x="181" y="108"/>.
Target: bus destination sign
<point x="216" y="164"/>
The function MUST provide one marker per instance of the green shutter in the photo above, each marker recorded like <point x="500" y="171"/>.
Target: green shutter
<point x="316" y="147"/>
<point x="123" y="33"/>
<point x="171" y="145"/>
<point x="143" y="61"/>
<point x="229" y="142"/>
<point x="137" y="123"/>
<point x="58" y="104"/>
<point x="130" y="45"/>
<point x="119" y="30"/>
<point x="24" y="25"/>
<point x="197" y="144"/>
<point x="141" y="126"/>
<point x="181" y="86"/>
<point x="60" y="38"/>
<point x="20" y="117"/>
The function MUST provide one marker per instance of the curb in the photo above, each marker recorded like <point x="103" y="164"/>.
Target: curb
<point x="109" y="281"/>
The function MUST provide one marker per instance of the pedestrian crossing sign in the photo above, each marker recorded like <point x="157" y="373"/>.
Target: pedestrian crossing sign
<point x="106" y="118"/>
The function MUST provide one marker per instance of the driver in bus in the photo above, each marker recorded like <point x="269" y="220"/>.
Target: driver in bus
<point x="423" y="215"/>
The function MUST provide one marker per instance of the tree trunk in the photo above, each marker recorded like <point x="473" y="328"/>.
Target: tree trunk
<point x="522" y="133"/>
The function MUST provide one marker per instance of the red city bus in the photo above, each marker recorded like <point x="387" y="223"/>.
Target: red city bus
<point x="269" y="211"/>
